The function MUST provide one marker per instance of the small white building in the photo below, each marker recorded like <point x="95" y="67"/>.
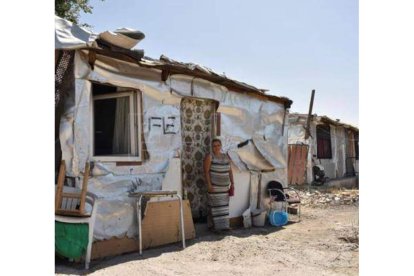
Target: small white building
<point x="332" y="144"/>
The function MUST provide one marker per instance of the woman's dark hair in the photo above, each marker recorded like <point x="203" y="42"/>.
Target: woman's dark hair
<point x="216" y="140"/>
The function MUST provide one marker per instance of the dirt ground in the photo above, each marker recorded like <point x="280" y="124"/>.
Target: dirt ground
<point x="325" y="242"/>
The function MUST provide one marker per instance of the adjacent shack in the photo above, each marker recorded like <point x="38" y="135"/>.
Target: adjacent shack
<point x="146" y="124"/>
<point x="332" y="144"/>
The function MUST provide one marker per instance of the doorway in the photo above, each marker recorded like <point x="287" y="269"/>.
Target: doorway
<point x="198" y="129"/>
<point x="297" y="159"/>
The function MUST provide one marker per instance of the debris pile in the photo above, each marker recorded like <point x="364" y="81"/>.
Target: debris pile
<point x="339" y="197"/>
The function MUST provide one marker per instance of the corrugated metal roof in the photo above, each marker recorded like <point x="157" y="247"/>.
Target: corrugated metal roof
<point x="71" y="36"/>
<point x="326" y="119"/>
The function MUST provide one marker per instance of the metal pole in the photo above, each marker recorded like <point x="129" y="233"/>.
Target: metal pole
<point x="181" y="220"/>
<point x="139" y="224"/>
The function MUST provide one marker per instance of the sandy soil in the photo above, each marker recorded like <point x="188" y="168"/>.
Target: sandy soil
<point x="325" y="242"/>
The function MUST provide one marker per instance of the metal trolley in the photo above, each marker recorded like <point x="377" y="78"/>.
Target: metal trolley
<point x="277" y="193"/>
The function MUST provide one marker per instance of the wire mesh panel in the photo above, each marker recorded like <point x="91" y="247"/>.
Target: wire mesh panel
<point x="62" y="72"/>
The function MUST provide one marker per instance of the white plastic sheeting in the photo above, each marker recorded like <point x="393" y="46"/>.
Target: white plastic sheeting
<point x="240" y="201"/>
<point x="252" y="158"/>
<point x="71" y="36"/>
<point x="242" y="117"/>
<point x="116" y="216"/>
<point x="296" y="134"/>
<point x="274" y="153"/>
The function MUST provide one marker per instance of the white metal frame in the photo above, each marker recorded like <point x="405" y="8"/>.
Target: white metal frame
<point x="285" y="200"/>
<point x="135" y="127"/>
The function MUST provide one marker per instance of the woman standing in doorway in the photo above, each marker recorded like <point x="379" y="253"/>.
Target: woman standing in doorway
<point x="220" y="186"/>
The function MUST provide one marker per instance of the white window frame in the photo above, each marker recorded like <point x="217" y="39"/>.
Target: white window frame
<point x="135" y="127"/>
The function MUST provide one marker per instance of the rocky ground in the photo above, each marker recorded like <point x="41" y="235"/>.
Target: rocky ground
<point x="325" y="242"/>
<point x="324" y="197"/>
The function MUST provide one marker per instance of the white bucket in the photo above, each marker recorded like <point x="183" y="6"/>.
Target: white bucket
<point x="247" y="219"/>
<point x="278" y="206"/>
<point x="258" y="217"/>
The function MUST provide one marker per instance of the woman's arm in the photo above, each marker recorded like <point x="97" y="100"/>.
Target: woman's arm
<point x="231" y="176"/>
<point x="230" y="171"/>
<point x="207" y="164"/>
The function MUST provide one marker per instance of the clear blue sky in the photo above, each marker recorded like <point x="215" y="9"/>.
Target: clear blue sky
<point x="288" y="47"/>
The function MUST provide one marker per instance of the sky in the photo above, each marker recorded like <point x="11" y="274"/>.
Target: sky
<point x="287" y="47"/>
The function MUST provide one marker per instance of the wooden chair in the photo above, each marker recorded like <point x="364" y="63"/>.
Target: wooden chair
<point x="70" y="207"/>
<point x="90" y="220"/>
<point x="71" y="204"/>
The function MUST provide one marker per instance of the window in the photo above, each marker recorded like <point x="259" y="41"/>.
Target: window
<point x="323" y="138"/>
<point x="116" y="124"/>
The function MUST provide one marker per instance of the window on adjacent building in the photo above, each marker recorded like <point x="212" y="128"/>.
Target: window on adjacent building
<point x="116" y="125"/>
<point x="323" y="138"/>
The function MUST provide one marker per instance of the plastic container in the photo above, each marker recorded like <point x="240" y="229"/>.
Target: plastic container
<point x="258" y="217"/>
<point x="278" y="218"/>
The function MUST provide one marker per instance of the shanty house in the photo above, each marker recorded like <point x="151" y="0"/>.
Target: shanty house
<point x="146" y="124"/>
<point x="330" y="143"/>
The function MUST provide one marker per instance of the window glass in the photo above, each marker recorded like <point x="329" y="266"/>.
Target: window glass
<point x="115" y="123"/>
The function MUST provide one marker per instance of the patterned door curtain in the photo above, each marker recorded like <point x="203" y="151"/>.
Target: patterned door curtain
<point x="197" y="122"/>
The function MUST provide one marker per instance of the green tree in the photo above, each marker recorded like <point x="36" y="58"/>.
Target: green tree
<point x="70" y="9"/>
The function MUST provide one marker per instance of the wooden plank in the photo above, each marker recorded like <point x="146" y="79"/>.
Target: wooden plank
<point x="160" y="193"/>
<point x="160" y="226"/>
<point x="71" y="213"/>
<point x="290" y="164"/>
<point x="297" y="157"/>
<point x="302" y="164"/>
<point x="84" y="188"/>
<point x="113" y="247"/>
<point x="297" y="164"/>
<point x="299" y="170"/>
<point x="61" y="180"/>
<point x="71" y="195"/>
<point x="128" y="163"/>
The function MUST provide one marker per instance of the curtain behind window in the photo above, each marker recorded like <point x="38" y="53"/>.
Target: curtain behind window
<point x="122" y="132"/>
<point x="323" y="138"/>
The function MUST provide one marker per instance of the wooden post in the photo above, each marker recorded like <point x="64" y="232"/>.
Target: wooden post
<point x="84" y="188"/>
<point x="61" y="180"/>
<point x="307" y="134"/>
<point x="259" y="191"/>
